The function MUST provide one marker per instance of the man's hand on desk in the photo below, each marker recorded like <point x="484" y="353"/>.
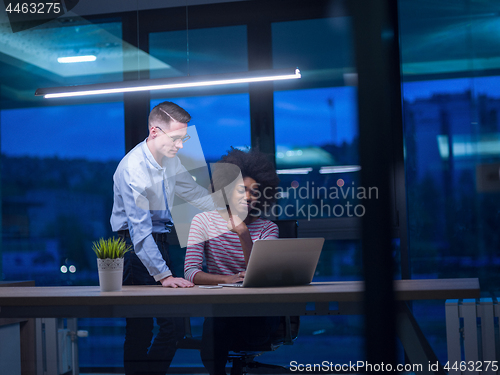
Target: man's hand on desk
<point x="174" y="282"/>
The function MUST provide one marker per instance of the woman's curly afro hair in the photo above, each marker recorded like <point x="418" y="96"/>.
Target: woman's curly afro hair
<point x="252" y="164"/>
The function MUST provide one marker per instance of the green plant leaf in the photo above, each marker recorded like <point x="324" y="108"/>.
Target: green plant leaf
<point x="111" y="248"/>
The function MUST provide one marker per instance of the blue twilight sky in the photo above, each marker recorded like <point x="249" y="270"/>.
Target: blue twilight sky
<point x="303" y="118"/>
<point x="92" y="131"/>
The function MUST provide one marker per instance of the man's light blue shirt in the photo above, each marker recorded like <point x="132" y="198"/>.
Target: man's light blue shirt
<point x="143" y="192"/>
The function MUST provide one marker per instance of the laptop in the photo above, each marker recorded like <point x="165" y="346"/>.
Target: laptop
<point x="281" y="262"/>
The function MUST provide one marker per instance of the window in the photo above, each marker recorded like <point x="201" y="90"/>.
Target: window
<point x="451" y="130"/>
<point x="57" y="167"/>
<point x="317" y="153"/>
<point x="316" y="128"/>
<point x="221" y="121"/>
<point x="316" y="134"/>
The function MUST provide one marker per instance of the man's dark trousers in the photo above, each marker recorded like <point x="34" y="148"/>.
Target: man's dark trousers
<point x="142" y="357"/>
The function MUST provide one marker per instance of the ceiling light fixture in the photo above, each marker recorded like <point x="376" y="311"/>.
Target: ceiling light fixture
<point x="75" y="59"/>
<point x="169" y="83"/>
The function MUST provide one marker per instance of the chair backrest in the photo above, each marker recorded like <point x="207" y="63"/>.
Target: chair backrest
<point x="287" y="228"/>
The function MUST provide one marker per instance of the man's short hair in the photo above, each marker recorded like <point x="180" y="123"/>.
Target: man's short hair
<point x="165" y="112"/>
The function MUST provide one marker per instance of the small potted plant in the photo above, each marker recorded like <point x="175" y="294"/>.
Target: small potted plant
<point x="110" y="254"/>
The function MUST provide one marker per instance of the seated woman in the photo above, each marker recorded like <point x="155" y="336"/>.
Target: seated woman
<point x="224" y="239"/>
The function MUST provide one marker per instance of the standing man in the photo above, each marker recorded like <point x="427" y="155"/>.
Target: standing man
<point x="144" y="186"/>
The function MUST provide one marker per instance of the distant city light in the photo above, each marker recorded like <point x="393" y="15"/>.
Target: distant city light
<point x="294" y="171"/>
<point x="319" y="332"/>
<point x="464" y="145"/>
<point x="340" y="169"/>
<point x="281" y="155"/>
<point x="295" y="184"/>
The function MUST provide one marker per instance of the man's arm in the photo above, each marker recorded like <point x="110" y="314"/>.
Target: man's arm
<point x="132" y="190"/>
<point x="143" y="249"/>
<point x="191" y="192"/>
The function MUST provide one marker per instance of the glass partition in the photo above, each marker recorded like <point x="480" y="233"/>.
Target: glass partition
<point x="317" y="158"/>
<point x="451" y="100"/>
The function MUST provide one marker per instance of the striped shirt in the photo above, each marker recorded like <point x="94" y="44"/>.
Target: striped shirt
<point x="210" y="240"/>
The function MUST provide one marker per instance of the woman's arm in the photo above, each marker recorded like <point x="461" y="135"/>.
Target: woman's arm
<point x="239" y="227"/>
<point x="193" y="264"/>
<point x="204" y="278"/>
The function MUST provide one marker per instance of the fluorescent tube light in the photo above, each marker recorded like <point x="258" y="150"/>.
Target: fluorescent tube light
<point x="339" y="169"/>
<point x="169" y="83"/>
<point x="75" y="59"/>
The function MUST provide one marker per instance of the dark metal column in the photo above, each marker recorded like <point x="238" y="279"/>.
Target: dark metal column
<point x="377" y="57"/>
<point x="136" y="104"/>
<point x="261" y="94"/>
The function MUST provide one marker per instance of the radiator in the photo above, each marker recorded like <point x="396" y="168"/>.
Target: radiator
<point x="472" y="336"/>
<point x="56" y="354"/>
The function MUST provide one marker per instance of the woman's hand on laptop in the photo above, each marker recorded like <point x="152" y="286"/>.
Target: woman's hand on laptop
<point x="236" y="278"/>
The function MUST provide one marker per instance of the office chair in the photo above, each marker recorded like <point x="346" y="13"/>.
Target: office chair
<point x="242" y="355"/>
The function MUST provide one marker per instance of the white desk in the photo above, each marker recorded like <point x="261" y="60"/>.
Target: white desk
<point x="135" y="301"/>
<point x="140" y="301"/>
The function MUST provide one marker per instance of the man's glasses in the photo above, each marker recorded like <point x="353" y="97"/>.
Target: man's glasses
<point x="183" y="139"/>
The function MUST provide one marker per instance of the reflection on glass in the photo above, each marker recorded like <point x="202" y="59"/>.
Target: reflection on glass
<point x="450" y="136"/>
<point x="440" y="38"/>
<point x="199" y="51"/>
<point x="312" y="125"/>
<point x="31" y="56"/>
<point x="451" y="132"/>
<point x="316" y="153"/>
<point x="319" y="45"/>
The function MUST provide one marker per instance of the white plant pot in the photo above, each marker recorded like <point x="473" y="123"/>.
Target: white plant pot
<point x="110" y="274"/>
